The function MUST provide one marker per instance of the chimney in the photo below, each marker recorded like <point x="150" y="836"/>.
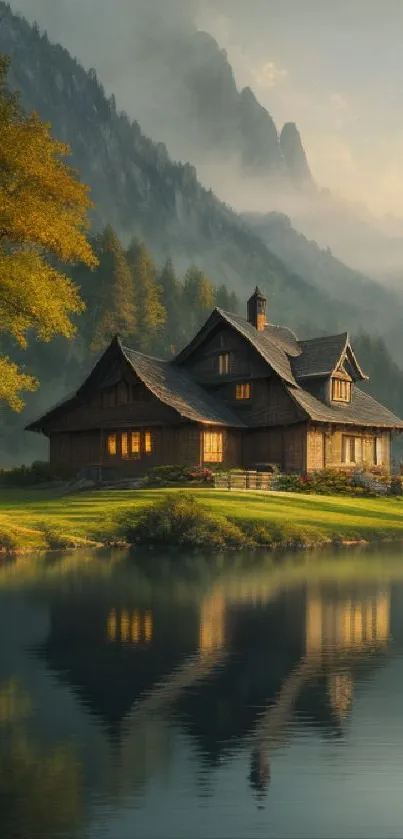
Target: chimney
<point x="257" y="310"/>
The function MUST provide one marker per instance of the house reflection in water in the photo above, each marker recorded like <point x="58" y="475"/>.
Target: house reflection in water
<point x="125" y="627"/>
<point x="234" y="666"/>
<point x="339" y="628"/>
<point x="342" y="630"/>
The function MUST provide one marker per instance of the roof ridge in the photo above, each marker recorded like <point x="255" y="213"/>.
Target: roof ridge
<point x="144" y="355"/>
<point x="326" y="338"/>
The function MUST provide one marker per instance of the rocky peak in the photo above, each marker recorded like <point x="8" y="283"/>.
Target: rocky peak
<point x="294" y="156"/>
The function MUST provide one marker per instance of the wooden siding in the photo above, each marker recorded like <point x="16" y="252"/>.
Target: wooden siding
<point x="285" y="447"/>
<point x="315" y="449"/>
<point x="244" y="360"/>
<point x="269" y="403"/>
<point x="145" y="410"/>
<point x="295" y="448"/>
<point x="170" y="446"/>
<point x="325" y="444"/>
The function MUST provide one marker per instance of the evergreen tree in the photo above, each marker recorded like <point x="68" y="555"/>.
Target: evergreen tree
<point x="227" y="300"/>
<point x="111" y="302"/>
<point x="174" y="334"/>
<point x="199" y="297"/>
<point x="151" y="312"/>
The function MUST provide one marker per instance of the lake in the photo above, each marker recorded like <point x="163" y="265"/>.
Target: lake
<point x="170" y="696"/>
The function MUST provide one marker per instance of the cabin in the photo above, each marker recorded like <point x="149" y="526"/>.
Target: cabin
<point x="243" y="393"/>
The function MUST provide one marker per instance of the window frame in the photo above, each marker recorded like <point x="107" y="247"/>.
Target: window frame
<point x="224" y="363"/>
<point x="378" y="450"/>
<point x="213" y="453"/>
<point x="135" y="450"/>
<point x="243" y="391"/>
<point x="112" y="449"/>
<point x="341" y="390"/>
<point x="351" y="445"/>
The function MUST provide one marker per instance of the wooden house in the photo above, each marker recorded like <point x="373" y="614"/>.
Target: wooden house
<point x="243" y="393"/>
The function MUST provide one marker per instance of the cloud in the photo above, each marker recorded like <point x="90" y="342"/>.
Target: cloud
<point x="268" y="75"/>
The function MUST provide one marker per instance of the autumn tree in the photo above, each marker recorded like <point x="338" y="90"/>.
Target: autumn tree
<point x="43" y="222"/>
<point x="110" y="296"/>
<point x="151" y="314"/>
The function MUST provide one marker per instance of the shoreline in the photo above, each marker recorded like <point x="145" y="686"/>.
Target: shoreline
<point x="38" y="522"/>
<point x="75" y="547"/>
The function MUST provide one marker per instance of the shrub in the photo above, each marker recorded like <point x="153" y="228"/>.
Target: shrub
<point x="55" y="540"/>
<point x="39" y="472"/>
<point x="174" y="475"/>
<point x="181" y="520"/>
<point x="396" y="486"/>
<point x="286" y="483"/>
<point x="8" y="541"/>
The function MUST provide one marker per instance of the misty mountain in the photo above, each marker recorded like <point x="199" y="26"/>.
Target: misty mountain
<point x="183" y="92"/>
<point x="137" y="188"/>
<point x="377" y="305"/>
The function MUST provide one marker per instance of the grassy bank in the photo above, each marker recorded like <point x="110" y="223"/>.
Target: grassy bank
<point x="36" y="518"/>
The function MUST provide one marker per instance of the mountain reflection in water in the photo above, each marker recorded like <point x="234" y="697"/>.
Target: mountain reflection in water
<point x="145" y="704"/>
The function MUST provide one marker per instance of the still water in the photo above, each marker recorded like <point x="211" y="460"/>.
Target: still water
<point x="198" y="698"/>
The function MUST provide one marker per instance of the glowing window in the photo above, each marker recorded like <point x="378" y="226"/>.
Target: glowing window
<point x="125" y="444"/>
<point x="223" y="363"/>
<point x="135" y="443"/>
<point x="212" y="446"/>
<point x="148" y="443"/>
<point x="341" y="390"/>
<point x="111" y="443"/>
<point x="243" y="391"/>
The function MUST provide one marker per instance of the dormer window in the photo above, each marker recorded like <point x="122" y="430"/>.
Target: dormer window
<point x="341" y="390"/>
<point x="223" y="363"/>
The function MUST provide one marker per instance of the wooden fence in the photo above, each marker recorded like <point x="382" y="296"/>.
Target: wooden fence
<point x="243" y="480"/>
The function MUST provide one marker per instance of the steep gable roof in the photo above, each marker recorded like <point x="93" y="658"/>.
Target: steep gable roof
<point x="175" y="387"/>
<point x="274" y="344"/>
<point x="321" y="356"/>
<point x="362" y="410"/>
<point x="170" y="383"/>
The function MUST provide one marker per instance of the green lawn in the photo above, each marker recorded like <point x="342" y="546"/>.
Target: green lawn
<point x="92" y="515"/>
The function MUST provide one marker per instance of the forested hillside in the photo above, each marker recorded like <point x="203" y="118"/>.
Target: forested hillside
<point x="139" y="191"/>
<point x="379" y="308"/>
<point x="166" y="223"/>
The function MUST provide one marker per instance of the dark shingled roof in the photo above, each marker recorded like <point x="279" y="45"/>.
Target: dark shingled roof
<point x="270" y="343"/>
<point x="171" y="384"/>
<point x="319" y="356"/>
<point x="175" y="387"/>
<point x="362" y="410"/>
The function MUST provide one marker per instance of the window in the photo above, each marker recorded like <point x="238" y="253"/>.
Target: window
<point x="223" y="363"/>
<point x="135" y="439"/>
<point x="243" y="391"/>
<point x="148" y="447"/>
<point x="111" y="444"/>
<point x="212" y="446"/>
<point x="341" y="390"/>
<point x="378" y="451"/>
<point x="351" y="450"/>
<point x="124" y="444"/>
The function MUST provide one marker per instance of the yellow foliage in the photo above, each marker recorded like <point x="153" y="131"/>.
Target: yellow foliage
<point x="43" y="222"/>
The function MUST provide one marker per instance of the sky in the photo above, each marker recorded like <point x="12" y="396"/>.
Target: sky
<point x="334" y="69"/>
